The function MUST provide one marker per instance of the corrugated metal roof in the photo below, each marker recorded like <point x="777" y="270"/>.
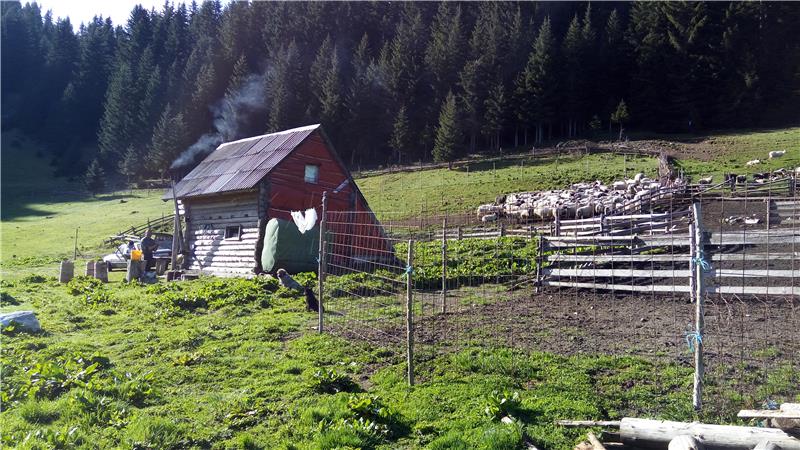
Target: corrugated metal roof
<point x="241" y="164"/>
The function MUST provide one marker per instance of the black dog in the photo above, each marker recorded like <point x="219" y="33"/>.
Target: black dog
<point x="311" y="300"/>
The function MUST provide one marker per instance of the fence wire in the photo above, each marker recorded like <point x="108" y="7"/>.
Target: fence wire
<point x="619" y="285"/>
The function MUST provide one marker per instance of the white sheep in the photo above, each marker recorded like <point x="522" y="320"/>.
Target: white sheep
<point x="489" y="218"/>
<point x="776" y="154"/>
<point x="753" y="162"/>
<point x="706" y="180"/>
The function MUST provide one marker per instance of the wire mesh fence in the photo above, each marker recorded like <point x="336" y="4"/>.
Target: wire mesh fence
<point x="625" y="285"/>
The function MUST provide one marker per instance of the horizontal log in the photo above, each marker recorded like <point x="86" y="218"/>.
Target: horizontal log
<point x="676" y="257"/>
<point x="767" y="414"/>
<point x="755" y="290"/>
<point x="669" y="273"/>
<point x="622" y="273"/>
<point x="658" y="433"/>
<point x="748" y="238"/>
<point x="605" y="259"/>
<point x="588" y="423"/>
<point x="620" y="287"/>
<point x="616" y="241"/>
<point x="741" y="290"/>
<point x="250" y="222"/>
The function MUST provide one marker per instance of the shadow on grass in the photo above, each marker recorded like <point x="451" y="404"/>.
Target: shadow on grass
<point x="30" y="204"/>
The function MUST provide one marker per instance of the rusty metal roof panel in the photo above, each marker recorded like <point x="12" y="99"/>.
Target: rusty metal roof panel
<point x="241" y="164"/>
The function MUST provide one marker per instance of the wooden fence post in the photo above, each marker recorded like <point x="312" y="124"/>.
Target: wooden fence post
<point x="410" y="313"/>
<point x="444" y="265"/>
<point x="699" y="263"/>
<point x="322" y="256"/>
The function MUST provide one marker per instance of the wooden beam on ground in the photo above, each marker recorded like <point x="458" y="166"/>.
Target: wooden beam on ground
<point x="767" y="414"/>
<point x="658" y="433"/>
<point x="588" y="423"/>
<point x="596" y="444"/>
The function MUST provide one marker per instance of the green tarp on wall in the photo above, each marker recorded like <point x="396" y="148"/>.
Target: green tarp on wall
<point x="286" y="248"/>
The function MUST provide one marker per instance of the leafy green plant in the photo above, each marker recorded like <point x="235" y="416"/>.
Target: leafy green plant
<point x="501" y="404"/>
<point x="82" y="285"/>
<point x="330" y="381"/>
<point x="35" y="279"/>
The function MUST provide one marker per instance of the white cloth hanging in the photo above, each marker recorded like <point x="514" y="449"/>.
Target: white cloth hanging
<point x="305" y="221"/>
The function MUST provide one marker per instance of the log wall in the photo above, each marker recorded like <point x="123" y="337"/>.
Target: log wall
<point x="207" y="218"/>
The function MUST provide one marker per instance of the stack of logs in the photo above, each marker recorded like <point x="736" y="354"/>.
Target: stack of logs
<point x="781" y="432"/>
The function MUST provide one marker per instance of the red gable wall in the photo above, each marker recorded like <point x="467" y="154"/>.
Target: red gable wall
<point x="355" y="234"/>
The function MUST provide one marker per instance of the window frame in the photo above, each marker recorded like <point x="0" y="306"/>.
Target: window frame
<point x="305" y="173"/>
<point x="237" y="236"/>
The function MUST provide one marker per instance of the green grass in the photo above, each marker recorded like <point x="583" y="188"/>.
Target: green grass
<point x="244" y="374"/>
<point x="728" y="152"/>
<point x="40" y="212"/>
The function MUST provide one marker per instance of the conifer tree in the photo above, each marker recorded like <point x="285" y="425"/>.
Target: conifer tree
<point x="495" y="117"/>
<point x="117" y="127"/>
<point x="620" y="116"/>
<point x="94" y="178"/>
<point x="130" y="165"/>
<point x="540" y="79"/>
<point x="447" y="133"/>
<point x="400" y="138"/>
<point x="170" y="138"/>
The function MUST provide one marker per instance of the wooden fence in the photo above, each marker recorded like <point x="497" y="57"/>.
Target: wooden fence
<point x="656" y="253"/>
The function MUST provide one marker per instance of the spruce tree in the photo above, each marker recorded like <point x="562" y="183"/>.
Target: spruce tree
<point x="400" y="138"/>
<point x="94" y="178"/>
<point x="620" y="116"/>
<point x="495" y="116"/>
<point x="170" y="138"/>
<point x="130" y="165"/>
<point x="447" y="133"/>
<point x="117" y="126"/>
<point x="540" y="80"/>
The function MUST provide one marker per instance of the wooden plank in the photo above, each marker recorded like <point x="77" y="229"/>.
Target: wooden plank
<point x="619" y="287"/>
<point x="676" y="257"/>
<point x="754" y="273"/>
<point x="755" y="290"/>
<point x="622" y="273"/>
<point x="588" y="423"/>
<point x="767" y="414"/>
<point x="741" y="290"/>
<point x="605" y="259"/>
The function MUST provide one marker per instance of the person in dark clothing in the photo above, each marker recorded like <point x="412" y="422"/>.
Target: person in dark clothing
<point x="148" y="247"/>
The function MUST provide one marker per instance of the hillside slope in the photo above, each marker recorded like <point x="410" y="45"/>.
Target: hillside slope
<point x="40" y="212"/>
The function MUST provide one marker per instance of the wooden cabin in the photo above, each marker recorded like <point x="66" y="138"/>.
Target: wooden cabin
<point x="228" y="199"/>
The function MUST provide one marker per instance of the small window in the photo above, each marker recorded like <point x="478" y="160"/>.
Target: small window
<point x="312" y="173"/>
<point x="233" y="232"/>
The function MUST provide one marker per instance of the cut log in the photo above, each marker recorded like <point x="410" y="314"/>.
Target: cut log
<point x="658" y="434"/>
<point x="596" y="444"/>
<point x="767" y="445"/>
<point x="685" y="442"/>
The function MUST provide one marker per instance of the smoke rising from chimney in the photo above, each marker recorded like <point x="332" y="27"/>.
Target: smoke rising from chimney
<point x="230" y="114"/>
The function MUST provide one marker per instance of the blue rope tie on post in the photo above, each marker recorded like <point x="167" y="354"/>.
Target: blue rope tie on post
<point x="409" y="270"/>
<point x="701" y="261"/>
<point x="692" y="338"/>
